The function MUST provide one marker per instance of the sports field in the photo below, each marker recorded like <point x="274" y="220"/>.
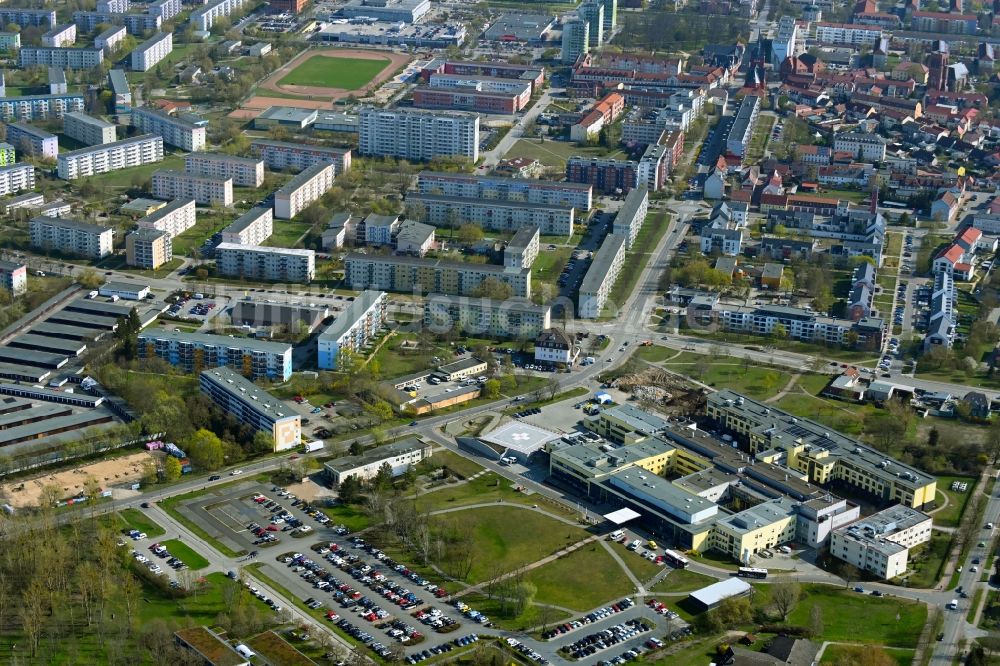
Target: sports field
<point x="324" y="71"/>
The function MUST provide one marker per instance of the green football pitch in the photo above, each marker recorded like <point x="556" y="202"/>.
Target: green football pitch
<point x="333" y="72"/>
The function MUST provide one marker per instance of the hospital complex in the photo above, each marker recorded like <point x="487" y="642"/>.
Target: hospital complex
<point x="750" y="477"/>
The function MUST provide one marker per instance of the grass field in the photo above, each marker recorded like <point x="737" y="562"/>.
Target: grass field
<point x="556" y="153"/>
<point x="505" y="539"/>
<point x="950" y="515"/>
<point x="582" y="580"/>
<point x="849" y="616"/>
<point x="456" y="464"/>
<point x="126" y="178"/>
<point x="755" y="381"/>
<point x="287" y="233"/>
<point x="682" y="580"/>
<point x="350" y="517"/>
<point x="489" y="487"/>
<point x="925" y="561"/>
<point x="332" y="72"/>
<point x="185" y="554"/>
<point x="196" y="235"/>
<point x="640" y="567"/>
<point x="533" y="615"/>
<point x="834" y="652"/>
<point x="137" y="520"/>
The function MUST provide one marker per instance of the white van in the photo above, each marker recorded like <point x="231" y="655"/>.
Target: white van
<point x="952" y="605"/>
<point x="245" y="652"/>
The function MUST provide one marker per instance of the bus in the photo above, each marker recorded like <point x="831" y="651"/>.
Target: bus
<point x="751" y="572"/>
<point x="675" y="559"/>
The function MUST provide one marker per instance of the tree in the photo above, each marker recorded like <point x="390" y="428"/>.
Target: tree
<point x="89" y="279"/>
<point x="493" y="288"/>
<point x="470" y="233"/>
<point x="357" y="448"/>
<point x="171" y="469"/>
<point x="262" y="442"/>
<point x="784" y="597"/>
<point x="205" y="450"/>
<point x="350" y="490"/>
<point x="383" y="478"/>
<point x="779" y="332"/>
<point x="734" y="611"/>
<point x="491" y="389"/>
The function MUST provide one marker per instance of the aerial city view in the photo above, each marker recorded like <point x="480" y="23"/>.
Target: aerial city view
<point x="500" y="333"/>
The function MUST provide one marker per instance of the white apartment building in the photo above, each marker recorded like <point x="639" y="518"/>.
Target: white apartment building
<point x="866" y="147"/>
<point x="418" y="135"/>
<point x="353" y="328"/>
<point x="399" y="456"/>
<point x="881" y="543"/>
<point x="205" y="17"/>
<point x="522" y="249"/>
<point x="245" y="171"/>
<point x="60" y="36"/>
<point x="632" y="215"/>
<point x="148" y="248"/>
<point x="499" y="188"/>
<point x="165" y="9"/>
<point x="575" y="40"/>
<point x="109" y="40"/>
<point x="256" y="262"/>
<point x="496" y="215"/>
<point x="208" y="190"/>
<point x="113" y="6"/>
<point x="251" y="228"/>
<point x="87" y="129"/>
<point x="783" y="44"/>
<point x="13" y="277"/>
<point x="139" y="150"/>
<point x="302" y="190"/>
<point x="601" y="277"/>
<point x="518" y="319"/>
<point x="281" y="155"/>
<point x="153" y="50"/>
<point x="176" y="131"/>
<point x="847" y="33"/>
<point x="37" y="107"/>
<point x="65" y="57"/>
<point x="70" y="237"/>
<point x="250" y="404"/>
<point x="16" y="178"/>
<point x="193" y="352"/>
<point x="175" y="218"/>
<point x="27" y="17"/>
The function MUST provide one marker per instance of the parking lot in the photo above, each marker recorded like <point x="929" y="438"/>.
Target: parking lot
<point x="380" y="601"/>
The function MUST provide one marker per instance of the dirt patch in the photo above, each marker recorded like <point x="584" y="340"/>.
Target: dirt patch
<point x="116" y="472"/>
<point x="327" y="95"/>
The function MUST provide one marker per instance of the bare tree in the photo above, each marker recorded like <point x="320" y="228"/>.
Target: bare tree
<point x="784" y="597"/>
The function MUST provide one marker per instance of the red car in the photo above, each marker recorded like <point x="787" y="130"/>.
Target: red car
<point x="273" y="528"/>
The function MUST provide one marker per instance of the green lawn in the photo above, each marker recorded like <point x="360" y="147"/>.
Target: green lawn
<point x="849" y="616"/>
<point x="586" y="578"/>
<point x="834" y="652"/>
<point x="550" y="264"/>
<point x="287" y="233"/>
<point x="682" y="580"/>
<point x="640" y="567"/>
<point x="533" y="616"/>
<point x="137" y="520"/>
<point x="334" y="72"/>
<point x="755" y="381"/>
<point x="657" y="354"/>
<point x="489" y="487"/>
<point x="505" y="538"/>
<point x="349" y="516"/>
<point x="457" y="464"/>
<point x="841" y="416"/>
<point x="185" y="554"/>
<point x="556" y="153"/>
<point x="950" y="515"/>
<point x="854" y="196"/>
<point x="204" y="228"/>
<point x="926" y="561"/>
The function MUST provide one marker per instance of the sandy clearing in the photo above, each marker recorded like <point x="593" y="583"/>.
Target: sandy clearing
<point x="123" y="471"/>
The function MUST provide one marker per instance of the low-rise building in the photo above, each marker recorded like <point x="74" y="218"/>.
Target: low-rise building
<point x="148" y="248"/>
<point x="194" y="352"/>
<point x="513" y="318"/>
<point x="33" y="140"/>
<point x="129" y="291"/>
<point x="305" y="188"/>
<point x="555" y="346"/>
<point x="251" y="405"/>
<point x="87" y="129"/>
<point x="151" y="51"/>
<point x="139" y="150"/>
<point x="187" y="132"/>
<point x="174" y="218"/>
<point x="245" y="171"/>
<point x="16" y="178"/>
<point x="399" y="456"/>
<point x="208" y="190"/>
<point x="352" y="329"/>
<point x="257" y="262"/>
<point x="252" y="228"/>
<point x="463" y="369"/>
<point x="282" y="155"/>
<point x="13" y="277"/>
<point x="880" y="543"/>
<point x="414" y="238"/>
<point x="70" y="237"/>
